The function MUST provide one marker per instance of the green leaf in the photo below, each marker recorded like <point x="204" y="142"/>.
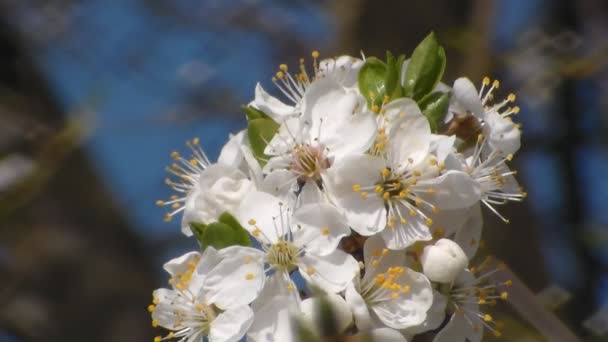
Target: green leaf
<point x="435" y="107"/>
<point x="378" y="79"/>
<point x="372" y="80"/>
<point x="220" y="235"/>
<point x="260" y="131"/>
<point x="198" y="229"/>
<point x="425" y="69"/>
<point x="253" y="113"/>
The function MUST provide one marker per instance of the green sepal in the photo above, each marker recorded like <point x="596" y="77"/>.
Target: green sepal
<point x="224" y="233"/>
<point x="260" y="131"/>
<point x="425" y="69"/>
<point x="435" y="107"/>
<point x="253" y="113"/>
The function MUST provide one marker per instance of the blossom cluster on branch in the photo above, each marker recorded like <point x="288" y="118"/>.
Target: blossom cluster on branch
<point x="364" y="187"/>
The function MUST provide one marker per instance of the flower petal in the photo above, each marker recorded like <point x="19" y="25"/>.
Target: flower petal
<point x="344" y="69"/>
<point x="409" y="308"/>
<point x="465" y="98"/>
<point x="452" y="190"/>
<point x="273" y="321"/>
<point x="331" y="273"/>
<point x="409" y="133"/>
<point x="277" y="284"/>
<point x="469" y="235"/>
<point x="503" y="135"/>
<point x="434" y="317"/>
<point x="271" y="106"/>
<point x="231" y="325"/>
<point x="320" y="228"/>
<point x="231" y="154"/>
<point x="357" y="305"/>
<point x="404" y="235"/>
<point x="454" y="330"/>
<point x="264" y="216"/>
<point x="237" y="280"/>
<point x="366" y="216"/>
<point x="377" y="260"/>
<point x="341" y="311"/>
<point x="333" y="111"/>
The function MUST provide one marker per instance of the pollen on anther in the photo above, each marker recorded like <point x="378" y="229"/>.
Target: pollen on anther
<point x="310" y="271"/>
<point x="155" y="323"/>
<point x="325" y="231"/>
<point x="247" y="259"/>
<point x="158" y="339"/>
<point x="364" y="195"/>
<point x="283" y="67"/>
<point x="356" y="187"/>
<point x="249" y="276"/>
<point x="251" y="222"/>
<point x="487" y="318"/>
<point x="486" y="80"/>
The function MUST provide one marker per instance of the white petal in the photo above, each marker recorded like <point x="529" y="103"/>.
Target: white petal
<point x="442" y="145"/>
<point x="310" y="194"/>
<point x="409" y="309"/>
<point x="331" y="273"/>
<point x="344" y="69"/>
<point x="204" y="264"/>
<point x="272" y="322"/>
<point x="469" y="235"/>
<point x="449" y="221"/>
<point x="434" y="317"/>
<point x="374" y="254"/>
<point x="333" y="112"/>
<point x="290" y="132"/>
<point x="409" y="133"/>
<point x="231" y="154"/>
<point x="271" y="106"/>
<point x="465" y="98"/>
<point x="503" y="135"/>
<point x="263" y="215"/>
<point x="277" y="284"/>
<point x="280" y="183"/>
<point x="237" y="280"/>
<point x="452" y="190"/>
<point x="165" y="310"/>
<point x="357" y="305"/>
<point x="404" y="235"/>
<point x="365" y="216"/>
<point x="231" y="325"/>
<point x="454" y="331"/>
<point x="384" y="335"/>
<point x="320" y="228"/>
<point x="341" y="311"/>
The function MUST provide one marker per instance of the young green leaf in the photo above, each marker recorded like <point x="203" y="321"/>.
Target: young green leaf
<point x="253" y="113"/>
<point x="220" y="235"/>
<point x="260" y="131"/>
<point x="198" y="229"/>
<point x="425" y="69"/>
<point x="435" y="107"/>
<point x="372" y="81"/>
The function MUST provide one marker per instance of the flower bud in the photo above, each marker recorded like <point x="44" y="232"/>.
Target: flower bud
<point x="443" y="261"/>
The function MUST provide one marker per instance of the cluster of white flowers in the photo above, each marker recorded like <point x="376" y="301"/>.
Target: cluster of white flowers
<point x="365" y="187"/>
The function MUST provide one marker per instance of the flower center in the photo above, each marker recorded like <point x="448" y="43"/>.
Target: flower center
<point x="309" y="161"/>
<point x="282" y="255"/>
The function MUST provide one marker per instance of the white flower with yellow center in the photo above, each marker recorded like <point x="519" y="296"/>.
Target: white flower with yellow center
<point x="204" y="190"/>
<point x="389" y="294"/>
<point x="301" y="244"/>
<point x="334" y="124"/>
<point x="195" y="308"/>
<point x="402" y="185"/>
<point x="465" y="298"/>
<point x="460" y="292"/>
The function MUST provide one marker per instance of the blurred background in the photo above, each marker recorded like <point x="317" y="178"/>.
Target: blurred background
<point x="94" y="95"/>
